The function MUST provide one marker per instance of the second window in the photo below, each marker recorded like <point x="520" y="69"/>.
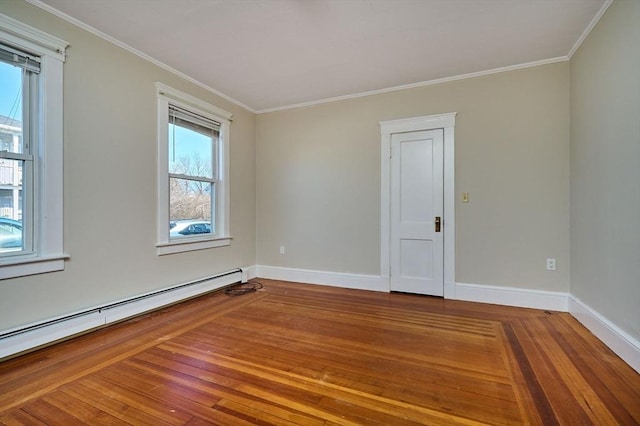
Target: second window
<point x="193" y="173"/>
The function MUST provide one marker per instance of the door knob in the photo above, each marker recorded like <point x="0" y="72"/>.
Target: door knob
<point x="438" y="220"/>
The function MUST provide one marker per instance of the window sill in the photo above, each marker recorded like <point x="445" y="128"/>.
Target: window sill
<point x="20" y="267"/>
<point x="191" y="245"/>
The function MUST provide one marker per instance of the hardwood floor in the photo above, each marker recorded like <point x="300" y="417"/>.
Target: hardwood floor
<point x="314" y="355"/>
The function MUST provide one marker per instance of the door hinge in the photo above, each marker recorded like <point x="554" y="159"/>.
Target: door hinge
<point x="390" y="151"/>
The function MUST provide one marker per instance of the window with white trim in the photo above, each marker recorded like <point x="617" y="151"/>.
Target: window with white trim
<point x="31" y="128"/>
<point x="18" y="80"/>
<point x="193" y="191"/>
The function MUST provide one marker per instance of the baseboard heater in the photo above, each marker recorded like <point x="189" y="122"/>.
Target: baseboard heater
<point x="25" y="338"/>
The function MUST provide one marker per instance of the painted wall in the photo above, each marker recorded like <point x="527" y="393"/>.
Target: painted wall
<point x="110" y="183"/>
<point x="605" y="167"/>
<point x="318" y="178"/>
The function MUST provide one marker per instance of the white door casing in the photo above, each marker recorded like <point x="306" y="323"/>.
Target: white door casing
<point x="416" y="201"/>
<point x="446" y="122"/>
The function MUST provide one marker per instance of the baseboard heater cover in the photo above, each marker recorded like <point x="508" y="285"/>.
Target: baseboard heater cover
<point x="25" y="338"/>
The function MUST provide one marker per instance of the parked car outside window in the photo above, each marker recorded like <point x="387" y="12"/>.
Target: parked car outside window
<point x="183" y="228"/>
<point x="10" y="233"/>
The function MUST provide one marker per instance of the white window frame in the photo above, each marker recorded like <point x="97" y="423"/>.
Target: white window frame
<point x="166" y="96"/>
<point x="47" y="254"/>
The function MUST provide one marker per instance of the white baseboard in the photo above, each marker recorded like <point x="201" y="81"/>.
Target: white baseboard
<point x="335" y="279"/>
<point x="59" y="328"/>
<point x="248" y="273"/>
<point x="620" y="342"/>
<point x="511" y="296"/>
<point x="625" y="346"/>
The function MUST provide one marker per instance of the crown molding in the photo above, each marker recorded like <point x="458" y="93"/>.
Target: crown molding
<point x="135" y="51"/>
<point x="416" y="85"/>
<point x="589" y="28"/>
<point x="425" y="83"/>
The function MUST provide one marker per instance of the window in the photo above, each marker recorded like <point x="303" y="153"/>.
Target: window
<point x="19" y="72"/>
<point x="31" y="220"/>
<point x="193" y="193"/>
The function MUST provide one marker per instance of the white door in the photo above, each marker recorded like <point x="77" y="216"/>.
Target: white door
<point x="417" y="248"/>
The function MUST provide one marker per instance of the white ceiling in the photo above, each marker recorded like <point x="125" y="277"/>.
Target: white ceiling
<point x="268" y="54"/>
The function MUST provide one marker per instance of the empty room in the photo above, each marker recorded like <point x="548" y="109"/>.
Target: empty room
<point x="320" y="212"/>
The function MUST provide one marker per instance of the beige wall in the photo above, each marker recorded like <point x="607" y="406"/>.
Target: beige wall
<point x="110" y="183"/>
<point x="605" y="167"/>
<point x="318" y="178"/>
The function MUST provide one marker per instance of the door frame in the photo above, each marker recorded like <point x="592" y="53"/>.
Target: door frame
<point x="387" y="128"/>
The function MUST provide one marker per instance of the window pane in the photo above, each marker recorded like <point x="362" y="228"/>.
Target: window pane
<point x="11" y="229"/>
<point x="189" y="207"/>
<point x="10" y="174"/>
<point x="11" y="137"/>
<point x="190" y="152"/>
<point x="10" y="108"/>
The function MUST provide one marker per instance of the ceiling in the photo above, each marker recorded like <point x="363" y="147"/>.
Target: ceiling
<point x="270" y="54"/>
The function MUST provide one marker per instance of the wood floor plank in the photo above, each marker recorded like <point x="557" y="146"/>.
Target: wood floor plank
<point x="200" y="404"/>
<point x="210" y="383"/>
<point x="414" y="374"/>
<point x="85" y="413"/>
<point x="80" y="362"/>
<point x="302" y="383"/>
<point x="341" y="340"/>
<point x="569" y="381"/>
<point x="50" y="414"/>
<point x="555" y="397"/>
<point x="315" y="355"/>
<point x="107" y="402"/>
<point x="191" y="401"/>
<point x="19" y="418"/>
<point x="520" y="379"/>
<point x="601" y="378"/>
<point x="255" y="415"/>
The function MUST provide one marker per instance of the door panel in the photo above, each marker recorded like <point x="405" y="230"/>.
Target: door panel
<point x="416" y="259"/>
<point x="416" y="199"/>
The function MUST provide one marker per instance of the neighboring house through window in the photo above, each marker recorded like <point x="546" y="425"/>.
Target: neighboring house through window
<point x="31" y="69"/>
<point x="11" y="171"/>
<point x="193" y="190"/>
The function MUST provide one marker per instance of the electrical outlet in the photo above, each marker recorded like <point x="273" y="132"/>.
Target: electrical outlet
<point x="551" y="264"/>
<point x="282" y="250"/>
